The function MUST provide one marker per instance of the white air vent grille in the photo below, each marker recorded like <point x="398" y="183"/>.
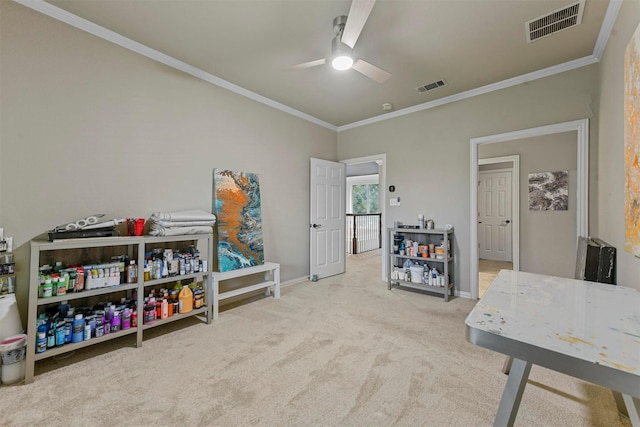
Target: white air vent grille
<point x="558" y="20"/>
<point x="431" y="86"/>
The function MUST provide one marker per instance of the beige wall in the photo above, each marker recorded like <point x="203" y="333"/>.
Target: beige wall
<point x="610" y="227"/>
<point x="547" y="238"/>
<point x="89" y="127"/>
<point x="428" y="152"/>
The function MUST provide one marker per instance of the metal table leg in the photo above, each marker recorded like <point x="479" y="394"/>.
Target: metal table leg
<point x="512" y="394"/>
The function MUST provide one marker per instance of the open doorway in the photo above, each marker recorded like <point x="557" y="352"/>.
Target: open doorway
<point x="498" y="217"/>
<point x="366" y="178"/>
<point x="580" y="132"/>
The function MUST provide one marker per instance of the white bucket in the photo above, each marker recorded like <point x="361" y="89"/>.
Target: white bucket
<point x="12" y="352"/>
<point x="417" y="271"/>
<point x="10" y="323"/>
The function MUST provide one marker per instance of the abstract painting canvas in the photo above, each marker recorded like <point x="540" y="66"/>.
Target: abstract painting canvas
<point x="632" y="144"/>
<point x="549" y="191"/>
<point x="236" y="200"/>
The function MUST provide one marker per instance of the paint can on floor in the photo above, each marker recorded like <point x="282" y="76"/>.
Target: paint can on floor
<point x="12" y="353"/>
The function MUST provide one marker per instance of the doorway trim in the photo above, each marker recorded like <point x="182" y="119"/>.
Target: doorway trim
<point x="515" y="203"/>
<point x="381" y="160"/>
<point x="582" y="196"/>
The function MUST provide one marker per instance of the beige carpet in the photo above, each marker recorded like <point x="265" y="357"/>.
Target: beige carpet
<point x="341" y="351"/>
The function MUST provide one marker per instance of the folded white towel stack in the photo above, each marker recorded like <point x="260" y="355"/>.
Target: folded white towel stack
<point x="182" y="222"/>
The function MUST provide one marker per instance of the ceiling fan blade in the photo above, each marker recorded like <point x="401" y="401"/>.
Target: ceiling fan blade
<point x="309" y="64"/>
<point x="371" y="71"/>
<point x="358" y="15"/>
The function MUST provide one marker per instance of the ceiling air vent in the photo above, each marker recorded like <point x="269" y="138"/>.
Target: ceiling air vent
<point x="558" y="20"/>
<point x="431" y="86"/>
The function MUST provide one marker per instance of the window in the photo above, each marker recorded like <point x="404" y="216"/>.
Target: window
<point x="363" y="194"/>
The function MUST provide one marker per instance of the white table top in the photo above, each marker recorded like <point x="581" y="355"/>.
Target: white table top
<point x="592" y="322"/>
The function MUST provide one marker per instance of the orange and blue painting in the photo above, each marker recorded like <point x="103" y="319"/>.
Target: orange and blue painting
<point x="632" y="144"/>
<point x="236" y="199"/>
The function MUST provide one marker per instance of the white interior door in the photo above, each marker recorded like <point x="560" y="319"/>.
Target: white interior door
<point x="494" y="215"/>
<point x="327" y="218"/>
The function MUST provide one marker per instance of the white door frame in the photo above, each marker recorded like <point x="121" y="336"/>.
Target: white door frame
<point x="582" y="196"/>
<point x="381" y="159"/>
<point x="515" y="203"/>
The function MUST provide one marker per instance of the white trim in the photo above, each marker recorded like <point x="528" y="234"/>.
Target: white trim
<point x="515" y="204"/>
<point x="113" y="37"/>
<point x="582" y="196"/>
<point x="605" y="30"/>
<point x="88" y="26"/>
<point x="297" y="281"/>
<point x="381" y="159"/>
<point x="462" y="294"/>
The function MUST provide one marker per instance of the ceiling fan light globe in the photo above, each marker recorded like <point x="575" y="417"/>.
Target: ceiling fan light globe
<point x="342" y="62"/>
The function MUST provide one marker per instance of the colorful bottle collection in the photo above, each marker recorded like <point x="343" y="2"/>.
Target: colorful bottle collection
<point x="161" y="263"/>
<point x="61" y="325"/>
<point x="179" y="300"/>
<point x="64" y="324"/>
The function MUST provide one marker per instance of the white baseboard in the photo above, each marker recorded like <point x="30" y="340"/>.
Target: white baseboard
<point x="294" y="281"/>
<point x="462" y="294"/>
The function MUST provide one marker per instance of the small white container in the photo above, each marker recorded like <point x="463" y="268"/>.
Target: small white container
<point x="417" y="273"/>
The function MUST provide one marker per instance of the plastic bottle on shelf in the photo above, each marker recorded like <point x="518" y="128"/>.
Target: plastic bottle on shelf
<point x="116" y="322"/>
<point x="60" y="332"/>
<point x="41" y="339"/>
<point x="126" y="319"/>
<point x="77" y="333"/>
<point x="185" y="300"/>
<point x="132" y="272"/>
<point x="51" y="334"/>
<point x="164" y="309"/>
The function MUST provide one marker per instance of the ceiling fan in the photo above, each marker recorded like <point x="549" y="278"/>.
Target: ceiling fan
<point x="348" y="29"/>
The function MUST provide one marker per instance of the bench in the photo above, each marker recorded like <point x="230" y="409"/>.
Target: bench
<point x="271" y="272"/>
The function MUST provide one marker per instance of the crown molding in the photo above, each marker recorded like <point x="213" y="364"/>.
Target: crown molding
<point x="607" y="25"/>
<point x="113" y="37"/>
<point x="546" y="72"/>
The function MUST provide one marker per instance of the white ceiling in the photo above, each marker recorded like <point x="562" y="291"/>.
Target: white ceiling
<point x="251" y="43"/>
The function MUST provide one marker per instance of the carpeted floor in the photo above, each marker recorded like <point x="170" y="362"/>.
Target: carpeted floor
<point x="340" y="351"/>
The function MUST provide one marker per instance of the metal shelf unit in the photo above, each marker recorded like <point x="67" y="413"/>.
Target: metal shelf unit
<point x="135" y="247"/>
<point x="423" y="237"/>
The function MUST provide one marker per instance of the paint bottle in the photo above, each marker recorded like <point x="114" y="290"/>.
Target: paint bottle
<point x="185" y="300"/>
<point x="87" y="332"/>
<point x="132" y="272"/>
<point x="116" y="322"/>
<point x="41" y="339"/>
<point x="126" y="319"/>
<point x="164" y="309"/>
<point x="77" y="331"/>
<point x="47" y="289"/>
<point x="51" y="334"/>
<point x="60" y="333"/>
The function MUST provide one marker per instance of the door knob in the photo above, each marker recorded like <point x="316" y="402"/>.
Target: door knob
<point x="316" y="225"/>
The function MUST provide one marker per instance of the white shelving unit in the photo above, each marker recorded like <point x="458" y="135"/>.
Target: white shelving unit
<point x="82" y="250"/>
<point x="423" y="237"/>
